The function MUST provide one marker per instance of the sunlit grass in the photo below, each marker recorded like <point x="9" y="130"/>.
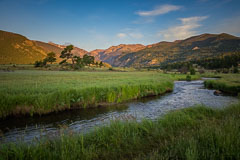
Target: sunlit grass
<point x="40" y="92"/>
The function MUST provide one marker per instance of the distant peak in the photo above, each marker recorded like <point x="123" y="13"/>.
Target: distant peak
<point x="225" y="35"/>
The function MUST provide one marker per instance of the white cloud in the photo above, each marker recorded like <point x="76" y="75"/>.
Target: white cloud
<point x="159" y="10"/>
<point x="130" y="33"/>
<point x="192" y="20"/>
<point x="186" y="29"/>
<point x="121" y="35"/>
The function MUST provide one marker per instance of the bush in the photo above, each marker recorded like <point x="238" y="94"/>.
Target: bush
<point x="40" y="63"/>
<point x="192" y="71"/>
<point x="235" y="70"/>
<point x="78" y="66"/>
<point x="37" y="64"/>
<point x="188" y="78"/>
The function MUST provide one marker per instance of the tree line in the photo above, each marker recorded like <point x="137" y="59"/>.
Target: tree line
<point x="67" y="56"/>
<point x="222" y="62"/>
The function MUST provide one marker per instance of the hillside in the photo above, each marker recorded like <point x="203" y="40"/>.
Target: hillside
<point x="52" y="47"/>
<point x="96" y="53"/>
<point x="193" y="48"/>
<point x="109" y="55"/>
<point x="76" y="51"/>
<point x="49" y="47"/>
<point x="17" y="49"/>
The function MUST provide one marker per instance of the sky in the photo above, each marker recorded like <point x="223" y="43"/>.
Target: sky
<point x="99" y="24"/>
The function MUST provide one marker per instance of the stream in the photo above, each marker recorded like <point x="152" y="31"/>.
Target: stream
<point x="185" y="94"/>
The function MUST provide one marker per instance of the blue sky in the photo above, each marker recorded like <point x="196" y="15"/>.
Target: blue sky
<point x="92" y="24"/>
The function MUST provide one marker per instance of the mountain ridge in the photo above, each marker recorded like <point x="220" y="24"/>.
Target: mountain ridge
<point x="108" y="55"/>
<point x="196" y="47"/>
<point x="18" y="49"/>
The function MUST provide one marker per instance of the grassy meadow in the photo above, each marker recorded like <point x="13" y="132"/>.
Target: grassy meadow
<point x="228" y="83"/>
<point x="40" y="92"/>
<point x="192" y="133"/>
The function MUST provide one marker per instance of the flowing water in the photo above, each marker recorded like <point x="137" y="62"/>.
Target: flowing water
<point x="185" y="94"/>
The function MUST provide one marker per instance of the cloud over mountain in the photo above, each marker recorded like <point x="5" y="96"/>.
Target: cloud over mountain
<point x="159" y="10"/>
<point x="186" y="29"/>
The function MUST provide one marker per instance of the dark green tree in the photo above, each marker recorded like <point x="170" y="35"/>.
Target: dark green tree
<point x="40" y="63"/>
<point x="37" y="63"/>
<point x="235" y="70"/>
<point x="51" y="57"/>
<point x="63" y="62"/>
<point x="101" y="64"/>
<point x="87" y="60"/>
<point x="79" y="61"/>
<point x="192" y="71"/>
<point x="67" y="54"/>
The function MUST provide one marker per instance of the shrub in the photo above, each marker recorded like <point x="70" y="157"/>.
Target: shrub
<point x="188" y="78"/>
<point x="40" y="63"/>
<point x="192" y="71"/>
<point x="235" y="70"/>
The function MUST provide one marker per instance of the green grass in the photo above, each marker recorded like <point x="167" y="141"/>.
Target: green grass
<point x="56" y="67"/>
<point x="40" y="92"/>
<point x="229" y="83"/>
<point x="192" y="133"/>
<point x="211" y="75"/>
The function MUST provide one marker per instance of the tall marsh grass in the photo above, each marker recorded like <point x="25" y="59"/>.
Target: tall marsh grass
<point x="193" y="133"/>
<point x="41" y="92"/>
<point x="229" y="83"/>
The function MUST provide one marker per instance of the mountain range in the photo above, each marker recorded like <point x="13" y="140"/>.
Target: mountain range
<point x="194" y="48"/>
<point x="17" y="49"/>
<point x="111" y="54"/>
